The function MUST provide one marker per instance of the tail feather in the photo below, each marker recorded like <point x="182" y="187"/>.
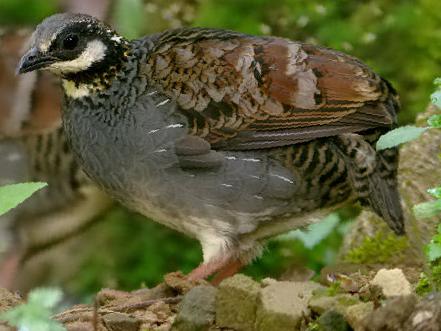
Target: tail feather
<point x="385" y="201"/>
<point x="374" y="178"/>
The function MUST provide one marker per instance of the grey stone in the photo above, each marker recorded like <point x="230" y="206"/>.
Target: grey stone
<point x="283" y="305"/>
<point x="120" y="322"/>
<point x="197" y="309"/>
<point x="321" y="303"/>
<point x="333" y="321"/>
<point x="427" y="314"/>
<point x="392" y="282"/>
<point x="392" y="316"/>
<point x="236" y="303"/>
<point x="356" y="314"/>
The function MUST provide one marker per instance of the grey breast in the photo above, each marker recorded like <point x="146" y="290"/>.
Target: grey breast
<point x="132" y="155"/>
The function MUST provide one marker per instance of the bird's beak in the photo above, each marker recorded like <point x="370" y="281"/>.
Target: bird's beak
<point x="34" y="60"/>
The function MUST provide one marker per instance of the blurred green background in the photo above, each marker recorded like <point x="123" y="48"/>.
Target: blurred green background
<point x="398" y="39"/>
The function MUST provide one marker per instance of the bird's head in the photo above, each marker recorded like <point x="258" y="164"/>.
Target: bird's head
<point x="74" y="46"/>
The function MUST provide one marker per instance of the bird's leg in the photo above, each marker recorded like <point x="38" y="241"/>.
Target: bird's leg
<point x="207" y="269"/>
<point x="9" y="269"/>
<point x="222" y="267"/>
<point x="231" y="268"/>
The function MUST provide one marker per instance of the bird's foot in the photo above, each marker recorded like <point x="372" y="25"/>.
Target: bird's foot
<point x="220" y="268"/>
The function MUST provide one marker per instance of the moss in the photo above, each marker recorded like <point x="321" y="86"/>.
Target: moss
<point x="313" y="326"/>
<point x="346" y="301"/>
<point x="380" y="248"/>
<point x="334" y="289"/>
<point x="435" y="275"/>
<point x="430" y="281"/>
<point x="423" y="286"/>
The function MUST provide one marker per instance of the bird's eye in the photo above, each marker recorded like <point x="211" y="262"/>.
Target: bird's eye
<point x="70" y="42"/>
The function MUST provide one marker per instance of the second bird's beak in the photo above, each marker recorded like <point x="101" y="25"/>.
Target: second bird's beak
<point x="34" y="60"/>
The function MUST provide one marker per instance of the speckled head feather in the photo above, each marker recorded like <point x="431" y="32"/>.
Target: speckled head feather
<point x="76" y="46"/>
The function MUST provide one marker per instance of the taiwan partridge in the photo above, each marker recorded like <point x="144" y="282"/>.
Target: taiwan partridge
<point x="226" y="137"/>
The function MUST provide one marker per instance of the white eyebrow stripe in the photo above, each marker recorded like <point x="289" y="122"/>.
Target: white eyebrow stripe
<point x="94" y="52"/>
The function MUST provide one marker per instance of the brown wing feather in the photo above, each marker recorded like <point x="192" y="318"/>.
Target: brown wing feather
<point x="231" y="85"/>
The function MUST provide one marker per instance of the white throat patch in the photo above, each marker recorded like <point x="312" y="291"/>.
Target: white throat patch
<point x="74" y="91"/>
<point x="94" y="52"/>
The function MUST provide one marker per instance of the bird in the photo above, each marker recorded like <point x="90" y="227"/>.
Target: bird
<point x="226" y="137"/>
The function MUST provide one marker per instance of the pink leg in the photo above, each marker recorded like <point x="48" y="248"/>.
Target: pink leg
<point x="223" y="268"/>
<point x="207" y="269"/>
<point x="227" y="271"/>
<point x="8" y="270"/>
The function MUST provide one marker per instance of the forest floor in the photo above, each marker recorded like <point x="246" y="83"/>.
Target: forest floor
<point x="345" y="297"/>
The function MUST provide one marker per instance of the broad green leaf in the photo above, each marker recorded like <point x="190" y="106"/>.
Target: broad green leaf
<point x="436" y="192"/>
<point x="435" y="121"/>
<point x="427" y="209"/>
<point x="399" y="136"/>
<point x="434" y="251"/>
<point x="436" y="98"/>
<point x="315" y="232"/>
<point x="13" y="195"/>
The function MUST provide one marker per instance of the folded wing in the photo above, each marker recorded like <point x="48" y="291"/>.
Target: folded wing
<point x="242" y="92"/>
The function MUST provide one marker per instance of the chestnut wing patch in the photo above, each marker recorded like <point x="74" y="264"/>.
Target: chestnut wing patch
<point x="244" y="92"/>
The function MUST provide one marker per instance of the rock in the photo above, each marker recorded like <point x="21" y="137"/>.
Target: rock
<point x="392" y="282"/>
<point x="179" y="282"/>
<point x="111" y="297"/>
<point x="283" y="305"/>
<point x="332" y="321"/>
<point x="156" y="316"/>
<point x="197" y="309"/>
<point x="392" y="316"/>
<point x="158" y="292"/>
<point x="120" y="322"/>
<point x="427" y="314"/>
<point x="339" y="302"/>
<point x="356" y="314"/>
<point x="8" y="300"/>
<point x="236" y="302"/>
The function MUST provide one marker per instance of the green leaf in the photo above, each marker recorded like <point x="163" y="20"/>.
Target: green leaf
<point x="436" y="98"/>
<point x="427" y="209"/>
<point x="435" y="121"/>
<point x="399" y="136"/>
<point x="433" y="251"/>
<point x="46" y="297"/>
<point x="13" y="195"/>
<point x="436" y="192"/>
<point x="437" y="81"/>
<point x="35" y="315"/>
<point x="315" y="233"/>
